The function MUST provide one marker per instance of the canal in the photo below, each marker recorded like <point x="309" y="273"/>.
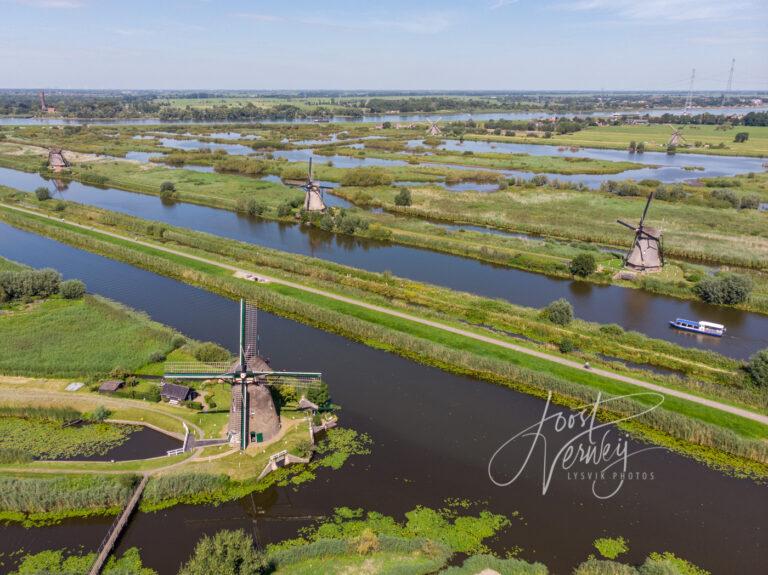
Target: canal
<point x="633" y="309"/>
<point x="433" y="436"/>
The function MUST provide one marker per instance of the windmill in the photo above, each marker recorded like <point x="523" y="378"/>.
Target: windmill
<point x="677" y="136"/>
<point x="252" y="413"/>
<point x="313" y="191"/>
<point x="646" y="254"/>
<point x="434" y="129"/>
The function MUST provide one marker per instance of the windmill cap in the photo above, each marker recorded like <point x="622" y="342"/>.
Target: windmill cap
<point x="653" y="232"/>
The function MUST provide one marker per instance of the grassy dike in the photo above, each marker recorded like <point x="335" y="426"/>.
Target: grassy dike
<point x="527" y="210"/>
<point x="721" y="439"/>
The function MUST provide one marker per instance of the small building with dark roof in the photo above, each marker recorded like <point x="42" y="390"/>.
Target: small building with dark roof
<point x="175" y="393"/>
<point x="111" y="386"/>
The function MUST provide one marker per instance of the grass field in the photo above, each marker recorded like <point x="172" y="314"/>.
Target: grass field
<point x="656" y="137"/>
<point x="78" y="338"/>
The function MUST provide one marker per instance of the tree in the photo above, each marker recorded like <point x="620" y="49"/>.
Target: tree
<point x="168" y="191"/>
<point x="72" y="289"/>
<point x="727" y="289"/>
<point x="403" y="198"/>
<point x="583" y="265"/>
<point x="741" y="137"/>
<point x="640" y="148"/>
<point x="559" y="312"/>
<point x="757" y="368"/>
<point x="226" y="553"/>
<point x="42" y="193"/>
<point x="209" y="351"/>
<point x="319" y="395"/>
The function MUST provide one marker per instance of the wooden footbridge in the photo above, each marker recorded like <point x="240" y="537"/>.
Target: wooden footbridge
<point x="117" y="528"/>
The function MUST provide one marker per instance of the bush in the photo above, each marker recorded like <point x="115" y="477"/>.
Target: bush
<point x="99" y="414"/>
<point x="567" y="346"/>
<point x="612" y="329"/>
<point x="210" y="352"/>
<point x="403" y="198"/>
<point x="27" y="284"/>
<point x="42" y="193"/>
<point x="583" y="265"/>
<point x="749" y="202"/>
<point x="226" y="553"/>
<point x="757" y="368"/>
<point x="156" y="357"/>
<point x="72" y="289"/>
<point x="364" y="177"/>
<point x="741" y="137"/>
<point x="284" y="209"/>
<point x="726" y="196"/>
<point x="167" y="187"/>
<point x="729" y="289"/>
<point x="559" y="312"/>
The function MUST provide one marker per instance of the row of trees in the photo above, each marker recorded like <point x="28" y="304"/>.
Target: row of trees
<point x="26" y="285"/>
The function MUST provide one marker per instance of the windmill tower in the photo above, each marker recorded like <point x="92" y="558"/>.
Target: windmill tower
<point x="646" y="253"/>
<point x="677" y="136"/>
<point x="314" y="200"/>
<point x="434" y="129"/>
<point x="252" y="414"/>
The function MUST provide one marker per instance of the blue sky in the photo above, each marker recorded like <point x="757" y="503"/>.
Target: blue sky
<point x="393" y="44"/>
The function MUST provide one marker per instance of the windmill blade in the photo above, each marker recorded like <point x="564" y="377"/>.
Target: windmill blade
<point x="251" y="330"/>
<point x="299" y="380"/>
<point x="645" y="211"/>
<point x="197" y="370"/>
<point x="630" y="226"/>
<point x="309" y="178"/>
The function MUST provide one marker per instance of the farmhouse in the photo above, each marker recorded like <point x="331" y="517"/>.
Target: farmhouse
<point x="175" y="393"/>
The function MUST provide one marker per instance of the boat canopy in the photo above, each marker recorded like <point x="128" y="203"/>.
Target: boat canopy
<point x="711" y="325"/>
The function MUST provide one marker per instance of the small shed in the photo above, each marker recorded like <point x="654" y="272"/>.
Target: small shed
<point x="175" y="393"/>
<point x="56" y="160"/>
<point x="304" y="403"/>
<point x="763" y="207"/>
<point x="111" y="386"/>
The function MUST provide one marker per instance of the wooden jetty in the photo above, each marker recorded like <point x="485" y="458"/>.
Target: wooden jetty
<point x="117" y="527"/>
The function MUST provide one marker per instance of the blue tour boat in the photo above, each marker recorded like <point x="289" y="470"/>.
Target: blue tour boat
<point x="703" y="327"/>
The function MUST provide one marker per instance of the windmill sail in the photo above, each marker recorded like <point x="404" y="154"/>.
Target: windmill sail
<point x="253" y="416"/>
<point x="646" y="254"/>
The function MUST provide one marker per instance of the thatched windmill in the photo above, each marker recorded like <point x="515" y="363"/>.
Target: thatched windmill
<point x="677" y="136"/>
<point x="252" y="414"/>
<point x="647" y="253"/>
<point x="313" y="191"/>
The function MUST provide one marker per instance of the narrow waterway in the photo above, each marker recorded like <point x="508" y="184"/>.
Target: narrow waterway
<point x="632" y="309"/>
<point x="433" y="436"/>
<point x="380" y="118"/>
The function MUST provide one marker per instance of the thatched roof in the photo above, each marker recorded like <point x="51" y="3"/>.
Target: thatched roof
<point x="111" y="385"/>
<point x="304" y="403"/>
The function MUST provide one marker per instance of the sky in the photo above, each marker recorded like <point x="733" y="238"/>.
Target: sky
<point x="383" y="45"/>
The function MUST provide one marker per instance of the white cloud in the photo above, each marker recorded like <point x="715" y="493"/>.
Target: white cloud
<point x="664" y="10"/>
